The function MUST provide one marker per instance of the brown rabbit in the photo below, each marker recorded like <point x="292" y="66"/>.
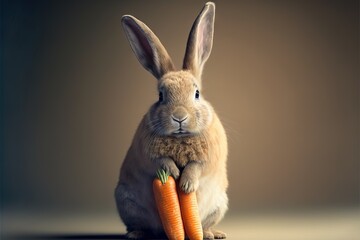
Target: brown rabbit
<point x="180" y="133"/>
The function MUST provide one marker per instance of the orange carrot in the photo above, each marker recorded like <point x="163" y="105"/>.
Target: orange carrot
<point x="190" y="215"/>
<point x="167" y="202"/>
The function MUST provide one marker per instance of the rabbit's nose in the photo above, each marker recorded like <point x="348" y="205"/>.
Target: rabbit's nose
<point x="179" y="114"/>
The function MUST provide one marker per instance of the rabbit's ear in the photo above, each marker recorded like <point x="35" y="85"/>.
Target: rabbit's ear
<point x="200" y="41"/>
<point x="147" y="47"/>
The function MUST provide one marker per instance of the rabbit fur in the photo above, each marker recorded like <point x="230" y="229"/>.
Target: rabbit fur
<point x="180" y="133"/>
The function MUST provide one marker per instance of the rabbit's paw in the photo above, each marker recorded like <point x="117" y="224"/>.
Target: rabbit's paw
<point x="135" y="235"/>
<point x="208" y="235"/>
<point x="169" y="166"/>
<point x="188" y="183"/>
<point x="219" y="234"/>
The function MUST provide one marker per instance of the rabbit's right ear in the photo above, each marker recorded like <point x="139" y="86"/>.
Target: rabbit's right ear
<point x="147" y="47"/>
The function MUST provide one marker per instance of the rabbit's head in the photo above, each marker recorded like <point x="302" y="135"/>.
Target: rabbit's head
<point x="181" y="109"/>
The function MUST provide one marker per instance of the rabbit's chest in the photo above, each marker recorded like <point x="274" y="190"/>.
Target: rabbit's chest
<point x="181" y="150"/>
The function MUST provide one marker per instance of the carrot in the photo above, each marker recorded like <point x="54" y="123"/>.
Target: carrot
<point x="190" y="215"/>
<point x="167" y="202"/>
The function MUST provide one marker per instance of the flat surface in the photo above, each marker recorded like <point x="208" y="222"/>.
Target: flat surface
<point x="319" y="225"/>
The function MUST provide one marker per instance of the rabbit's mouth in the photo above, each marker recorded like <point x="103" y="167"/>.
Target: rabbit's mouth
<point x="181" y="132"/>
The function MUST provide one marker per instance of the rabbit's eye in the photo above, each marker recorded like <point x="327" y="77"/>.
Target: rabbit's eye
<point x="161" y="98"/>
<point x="197" y="94"/>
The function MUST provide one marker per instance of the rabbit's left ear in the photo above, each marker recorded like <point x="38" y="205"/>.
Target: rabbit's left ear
<point x="200" y="41"/>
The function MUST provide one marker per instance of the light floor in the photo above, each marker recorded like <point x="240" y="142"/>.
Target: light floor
<point x="307" y="225"/>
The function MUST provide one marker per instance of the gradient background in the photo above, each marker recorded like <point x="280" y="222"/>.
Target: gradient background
<point x="283" y="77"/>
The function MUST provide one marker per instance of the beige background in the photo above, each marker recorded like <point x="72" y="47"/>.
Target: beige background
<point x="283" y="76"/>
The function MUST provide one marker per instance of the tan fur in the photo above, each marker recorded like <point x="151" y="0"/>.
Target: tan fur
<point x="181" y="150"/>
<point x="193" y="149"/>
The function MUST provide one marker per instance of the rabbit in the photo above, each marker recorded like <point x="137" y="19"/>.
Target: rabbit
<point x="180" y="133"/>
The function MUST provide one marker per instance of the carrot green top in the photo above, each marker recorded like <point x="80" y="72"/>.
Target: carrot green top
<point x="162" y="175"/>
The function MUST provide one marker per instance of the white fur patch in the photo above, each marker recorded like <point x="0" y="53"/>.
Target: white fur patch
<point x="210" y="197"/>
